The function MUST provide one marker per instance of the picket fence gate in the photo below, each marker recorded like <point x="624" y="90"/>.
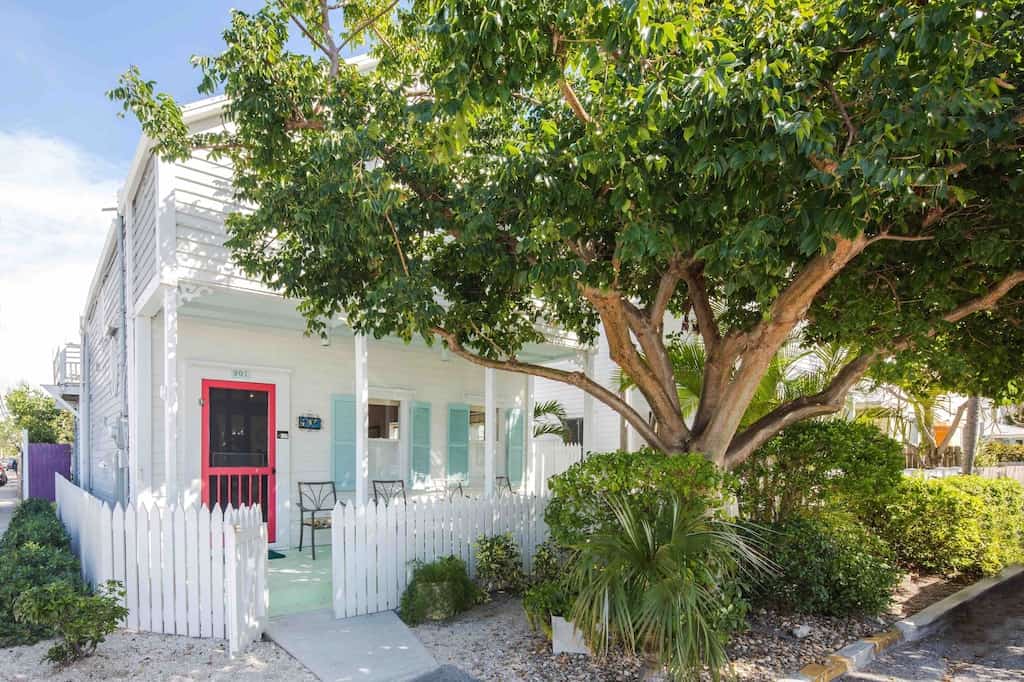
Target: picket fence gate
<point x="550" y="458"/>
<point x="375" y="547"/>
<point x="191" y="571"/>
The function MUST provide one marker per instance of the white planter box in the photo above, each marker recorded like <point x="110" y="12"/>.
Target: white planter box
<point x="566" y="639"/>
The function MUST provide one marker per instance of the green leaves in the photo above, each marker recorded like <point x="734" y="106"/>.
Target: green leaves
<point x="505" y="157"/>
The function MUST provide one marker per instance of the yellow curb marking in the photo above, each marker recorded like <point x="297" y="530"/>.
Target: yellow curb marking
<point x="834" y="667"/>
<point x="884" y="640"/>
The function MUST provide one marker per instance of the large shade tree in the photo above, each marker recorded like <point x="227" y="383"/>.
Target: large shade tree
<point x="847" y="171"/>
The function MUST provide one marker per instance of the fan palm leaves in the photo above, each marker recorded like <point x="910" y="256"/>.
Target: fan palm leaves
<point x="662" y="584"/>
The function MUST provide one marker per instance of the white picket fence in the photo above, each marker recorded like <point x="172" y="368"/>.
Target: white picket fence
<point x="1014" y="471"/>
<point x="550" y="458"/>
<point x="375" y="547"/>
<point x="188" y="572"/>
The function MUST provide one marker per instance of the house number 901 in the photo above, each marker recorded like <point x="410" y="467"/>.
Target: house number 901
<point x="240" y="373"/>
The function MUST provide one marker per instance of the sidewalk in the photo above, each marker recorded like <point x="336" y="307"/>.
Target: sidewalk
<point x="8" y="499"/>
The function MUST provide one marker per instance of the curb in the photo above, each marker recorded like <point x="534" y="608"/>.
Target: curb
<point x="857" y="655"/>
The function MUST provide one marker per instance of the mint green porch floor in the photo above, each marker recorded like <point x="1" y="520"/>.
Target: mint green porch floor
<point x="297" y="583"/>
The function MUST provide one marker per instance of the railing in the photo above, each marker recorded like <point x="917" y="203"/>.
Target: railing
<point x="374" y="547"/>
<point x="191" y="571"/>
<point x="67" y="365"/>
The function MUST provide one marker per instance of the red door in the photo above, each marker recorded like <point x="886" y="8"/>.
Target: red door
<point x="238" y="446"/>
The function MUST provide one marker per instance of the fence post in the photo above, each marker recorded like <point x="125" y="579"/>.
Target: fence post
<point x="231" y="586"/>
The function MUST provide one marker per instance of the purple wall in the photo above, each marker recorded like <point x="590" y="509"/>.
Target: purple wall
<point x="43" y="460"/>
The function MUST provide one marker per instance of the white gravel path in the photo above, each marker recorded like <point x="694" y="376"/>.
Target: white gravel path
<point x="146" y="656"/>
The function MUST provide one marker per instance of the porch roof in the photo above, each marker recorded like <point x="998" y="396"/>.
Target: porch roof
<point x="263" y="309"/>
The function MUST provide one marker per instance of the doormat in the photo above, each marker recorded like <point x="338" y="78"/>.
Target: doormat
<point x="273" y="554"/>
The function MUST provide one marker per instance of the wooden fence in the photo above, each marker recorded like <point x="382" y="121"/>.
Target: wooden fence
<point x="550" y="458"/>
<point x="188" y="571"/>
<point x="1014" y="471"/>
<point x="375" y="546"/>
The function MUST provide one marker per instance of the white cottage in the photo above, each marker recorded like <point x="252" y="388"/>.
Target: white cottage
<point x="200" y="386"/>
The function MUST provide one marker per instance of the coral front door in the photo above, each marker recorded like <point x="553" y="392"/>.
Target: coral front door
<point x="238" y="446"/>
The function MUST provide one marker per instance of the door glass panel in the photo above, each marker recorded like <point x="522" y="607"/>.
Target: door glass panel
<point x="238" y="428"/>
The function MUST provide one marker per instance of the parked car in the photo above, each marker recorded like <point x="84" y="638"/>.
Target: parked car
<point x="3" y="477"/>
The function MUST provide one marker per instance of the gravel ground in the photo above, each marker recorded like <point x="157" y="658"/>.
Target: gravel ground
<point x="494" y="641"/>
<point x="146" y="656"/>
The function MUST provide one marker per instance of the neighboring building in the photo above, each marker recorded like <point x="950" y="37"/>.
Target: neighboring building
<point x="200" y="385"/>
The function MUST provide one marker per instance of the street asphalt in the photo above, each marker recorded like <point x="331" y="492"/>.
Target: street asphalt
<point x="984" y="641"/>
<point x="8" y="499"/>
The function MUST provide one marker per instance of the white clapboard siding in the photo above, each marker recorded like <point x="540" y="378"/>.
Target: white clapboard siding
<point x="375" y="546"/>
<point x="186" y="571"/>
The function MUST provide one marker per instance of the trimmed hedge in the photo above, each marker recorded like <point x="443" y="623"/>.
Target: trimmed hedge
<point x="958" y="525"/>
<point x="993" y="452"/>
<point x="827" y="564"/>
<point x="814" y="464"/>
<point x="579" y="495"/>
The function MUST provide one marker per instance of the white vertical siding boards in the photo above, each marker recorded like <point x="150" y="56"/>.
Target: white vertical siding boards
<point x="172" y="562"/>
<point x="375" y="545"/>
<point x="143" y="231"/>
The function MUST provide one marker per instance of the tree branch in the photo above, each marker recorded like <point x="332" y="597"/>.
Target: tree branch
<point x="309" y="36"/>
<point x="696" y="289"/>
<point x="827" y="401"/>
<point x="577" y="379"/>
<point x="573" y="101"/>
<point x="366" y="23"/>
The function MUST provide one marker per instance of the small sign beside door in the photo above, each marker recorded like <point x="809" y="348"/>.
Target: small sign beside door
<point x="310" y="422"/>
<point x="282" y="435"/>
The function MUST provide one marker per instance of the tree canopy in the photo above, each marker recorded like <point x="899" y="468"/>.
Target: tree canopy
<point x="850" y="171"/>
<point x="31" y="409"/>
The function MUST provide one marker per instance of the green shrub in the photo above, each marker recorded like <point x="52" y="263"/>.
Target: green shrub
<point x="827" y="564"/>
<point x="993" y="452"/>
<point x="957" y="525"/>
<point x="499" y="565"/>
<point x="545" y="599"/>
<point x="549" y="562"/>
<point x="81" y="620"/>
<point x="32" y="506"/>
<point x="22" y="568"/>
<point x="35" y="523"/>
<point x="438" y="590"/>
<point x="579" y="495"/>
<point x="662" y="580"/>
<point x="814" y="463"/>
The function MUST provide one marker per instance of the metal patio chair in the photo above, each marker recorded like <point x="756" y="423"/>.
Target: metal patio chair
<point x="388" y="490"/>
<point x="502" y="486"/>
<point x="315" y="497"/>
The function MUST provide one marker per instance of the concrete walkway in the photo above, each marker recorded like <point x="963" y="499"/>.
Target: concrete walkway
<point x="8" y="499"/>
<point x="984" y="642"/>
<point x="366" y="648"/>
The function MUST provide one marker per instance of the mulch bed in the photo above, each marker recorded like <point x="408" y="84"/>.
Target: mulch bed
<point x="494" y="641"/>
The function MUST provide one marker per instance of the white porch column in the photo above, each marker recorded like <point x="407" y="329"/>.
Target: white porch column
<point x="140" y="428"/>
<point x="533" y="485"/>
<point x="170" y="393"/>
<point x="490" y="432"/>
<point x="362" y="421"/>
<point x="589" y="425"/>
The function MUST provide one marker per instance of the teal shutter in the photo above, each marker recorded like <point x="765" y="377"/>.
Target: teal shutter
<point x="420" y="459"/>
<point x="458" y="442"/>
<point x="343" y="441"/>
<point x="514" y="446"/>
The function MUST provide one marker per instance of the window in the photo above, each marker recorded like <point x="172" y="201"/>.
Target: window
<point x="383" y="419"/>
<point x="238" y="428"/>
<point x="477" y="428"/>
<point x="574" y="427"/>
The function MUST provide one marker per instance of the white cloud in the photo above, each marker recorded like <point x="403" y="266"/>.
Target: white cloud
<point x="51" y="231"/>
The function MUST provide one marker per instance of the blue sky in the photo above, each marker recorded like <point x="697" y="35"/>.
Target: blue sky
<point x="64" y="151"/>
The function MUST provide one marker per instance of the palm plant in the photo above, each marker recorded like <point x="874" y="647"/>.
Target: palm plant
<point x="663" y="583"/>
<point x="793" y="372"/>
<point x="549" y="420"/>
